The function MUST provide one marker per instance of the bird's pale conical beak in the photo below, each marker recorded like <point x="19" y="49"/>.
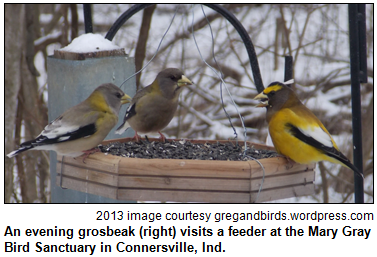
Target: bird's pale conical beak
<point x="126" y="99"/>
<point x="263" y="100"/>
<point x="184" y="81"/>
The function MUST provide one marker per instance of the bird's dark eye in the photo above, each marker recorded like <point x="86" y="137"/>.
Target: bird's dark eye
<point x="272" y="93"/>
<point x="119" y="95"/>
<point x="172" y="77"/>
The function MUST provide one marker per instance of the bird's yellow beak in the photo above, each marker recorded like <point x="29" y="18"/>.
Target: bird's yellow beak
<point x="184" y="81"/>
<point x="126" y="99"/>
<point x="263" y="100"/>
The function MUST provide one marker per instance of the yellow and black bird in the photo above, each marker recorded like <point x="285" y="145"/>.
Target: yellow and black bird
<point x="81" y="128"/>
<point x="295" y="131"/>
<point x="153" y="107"/>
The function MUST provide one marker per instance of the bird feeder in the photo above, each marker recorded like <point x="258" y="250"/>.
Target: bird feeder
<point x="72" y="76"/>
<point x="183" y="180"/>
<point x="187" y="180"/>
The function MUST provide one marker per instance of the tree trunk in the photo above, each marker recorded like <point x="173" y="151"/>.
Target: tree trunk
<point x="23" y="98"/>
<point x="14" y="34"/>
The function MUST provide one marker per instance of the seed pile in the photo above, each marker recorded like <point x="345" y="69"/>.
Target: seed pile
<point x="185" y="150"/>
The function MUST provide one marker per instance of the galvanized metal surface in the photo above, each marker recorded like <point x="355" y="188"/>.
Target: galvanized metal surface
<point x="69" y="83"/>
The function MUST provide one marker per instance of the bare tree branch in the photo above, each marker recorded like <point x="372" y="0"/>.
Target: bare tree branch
<point x="142" y="41"/>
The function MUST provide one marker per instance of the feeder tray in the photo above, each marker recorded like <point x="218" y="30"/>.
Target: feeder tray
<point x="183" y="180"/>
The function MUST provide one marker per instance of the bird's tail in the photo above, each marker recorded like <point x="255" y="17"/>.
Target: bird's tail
<point x="353" y="167"/>
<point x="22" y="148"/>
<point x="345" y="162"/>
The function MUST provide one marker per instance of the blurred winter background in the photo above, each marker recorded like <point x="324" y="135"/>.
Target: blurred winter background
<point x="315" y="35"/>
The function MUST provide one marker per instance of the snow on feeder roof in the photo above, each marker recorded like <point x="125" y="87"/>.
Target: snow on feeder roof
<point x="90" y="43"/>
<point x="89" y="46"/>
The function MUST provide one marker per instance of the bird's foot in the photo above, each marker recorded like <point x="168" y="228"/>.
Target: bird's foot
<point x="162" y="137"/>
<point x="290" y="162"/>
<point x="89" y="152"/>
<point x="136" y="137"/>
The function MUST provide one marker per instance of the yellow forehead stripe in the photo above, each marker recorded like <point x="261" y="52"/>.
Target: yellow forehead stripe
<point x="272" y="88"/>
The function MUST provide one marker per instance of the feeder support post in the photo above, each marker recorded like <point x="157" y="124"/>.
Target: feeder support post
<point x="358" y="61"/>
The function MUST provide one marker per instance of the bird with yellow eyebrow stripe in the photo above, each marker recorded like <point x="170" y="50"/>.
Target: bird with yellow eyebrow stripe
<point x="295" y="131"/>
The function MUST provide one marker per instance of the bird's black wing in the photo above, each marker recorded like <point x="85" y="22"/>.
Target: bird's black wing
<point x="81" y="132"/>
<point x="129" y="113"/>
<point x="48" y="138"/>
<point x="329" y="151"/>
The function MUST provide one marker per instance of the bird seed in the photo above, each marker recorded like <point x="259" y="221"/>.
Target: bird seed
<point x="186" y="150"/>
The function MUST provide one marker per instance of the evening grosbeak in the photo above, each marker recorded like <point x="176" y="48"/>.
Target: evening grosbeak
<point x="295" y="131"/>
<point x="81" y="127"/>
<point x="153" y="107"/>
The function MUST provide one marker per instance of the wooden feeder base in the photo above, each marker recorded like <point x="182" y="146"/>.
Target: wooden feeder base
<point x="175" y="180"/>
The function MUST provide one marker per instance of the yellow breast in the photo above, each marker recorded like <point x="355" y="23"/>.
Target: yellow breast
<point x="286" y="143"/>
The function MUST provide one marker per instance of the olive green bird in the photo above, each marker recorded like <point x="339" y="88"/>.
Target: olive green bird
<point x="153" y="107"/>
<point x="82" y="127"/>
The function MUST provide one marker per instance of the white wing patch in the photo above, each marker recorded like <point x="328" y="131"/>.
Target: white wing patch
<point x="123" y="128"/>
<point x="57" y="129"/>
<point x="63" y="138"/>
<point x="318" y="134"/>
<point x="128" y="109"/>
<point x="125" y="125"/>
